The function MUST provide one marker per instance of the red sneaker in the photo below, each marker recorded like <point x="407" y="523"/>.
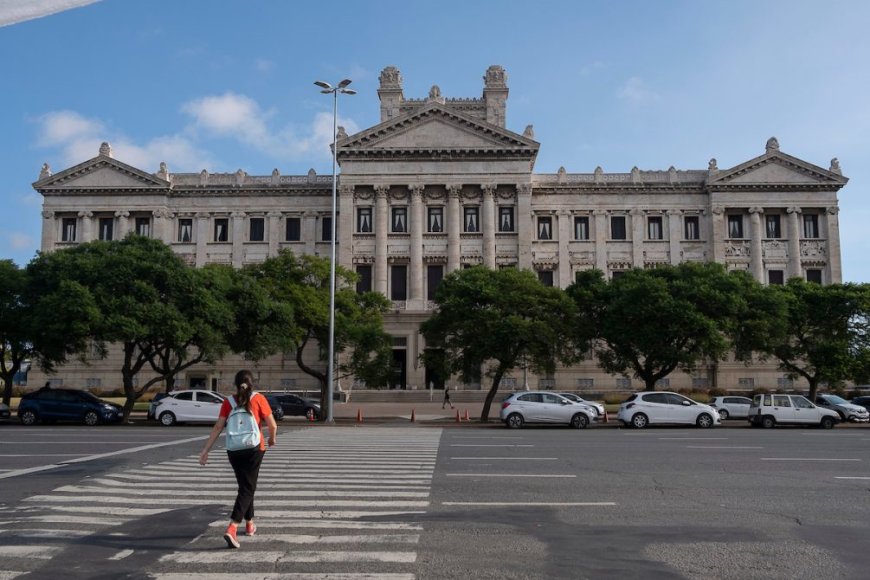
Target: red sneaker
<point x="250" y="528"/>
<point x="230" y="537"/>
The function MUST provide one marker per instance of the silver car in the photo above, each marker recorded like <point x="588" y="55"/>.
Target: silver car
<point x="731" y="407"/>
<point x="596" y="406"/>
<point x="846" y="410"/>
<point x="662" y="407"/>
<point x="544" y="407"/>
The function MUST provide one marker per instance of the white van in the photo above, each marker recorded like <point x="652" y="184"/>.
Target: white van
<point x="776" y="409"/>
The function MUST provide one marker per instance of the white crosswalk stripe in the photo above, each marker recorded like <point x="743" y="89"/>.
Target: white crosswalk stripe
<point x="338" y="503"/>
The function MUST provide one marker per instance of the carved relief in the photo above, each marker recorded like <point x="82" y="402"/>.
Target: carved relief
<point x="813" y="249"/>
<point x="737" y="249"/>
<point x="775" y="249"/>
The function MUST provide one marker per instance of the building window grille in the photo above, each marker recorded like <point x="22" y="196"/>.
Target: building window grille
<point x="293" y="229"/>
<point x="584" y="383"/>
<point x="546" y="277"/>
<point x="663" y="383"/>
<point x="258" y="229"/>
<point x="288" y="383"/>
<point x="185" y="230"/>
<point x="623" y="383"/>
<point x="784" y="383"/>
<point x="436" y="220"/>
<point x="505" y="219"/>
<point x="746" y="383"/>
<point x="364" y="220"/>
<point x="581" y="228"/>
<point x="617" y="227"/>
<point x="509" y="383"/>
<point x="700" y="382"/>
<point x="692" y="227"/>
<point x="472" y="224"/>
<point x="93" y="383"/>
<point x="545" y="228"/>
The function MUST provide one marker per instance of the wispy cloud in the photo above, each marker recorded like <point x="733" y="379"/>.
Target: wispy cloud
<point x="14" y="11"/>
<point x="20" y="241"/>
<point x="635" y="90"/>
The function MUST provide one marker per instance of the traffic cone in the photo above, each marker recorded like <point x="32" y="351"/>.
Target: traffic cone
<point x="457" y="416"/>
<point x="311" y="417"/>
<point x="465" y="418"/>
<point x="413" y="416"/>
<point x="359" y="416"/>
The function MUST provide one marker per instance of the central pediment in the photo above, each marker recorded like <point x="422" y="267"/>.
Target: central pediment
<point x="777" y="169"/>
<point x="101" y="173"/>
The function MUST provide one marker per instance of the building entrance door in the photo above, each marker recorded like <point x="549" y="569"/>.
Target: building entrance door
<point x="400" y="369"/>
<point x="434" y="380"/>
<point x="196" y="383"/>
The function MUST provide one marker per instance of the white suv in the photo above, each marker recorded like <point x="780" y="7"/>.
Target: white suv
<point x="661" y="407"/>
<point x="777" y="409"/>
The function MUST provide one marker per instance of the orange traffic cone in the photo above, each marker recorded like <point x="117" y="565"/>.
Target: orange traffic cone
<point x="465" y="418"/>
<point x="311" y="418"/>
<point x="359" y="416"/>
<point x="457" y="416"/>
<point x="412" y="415"/>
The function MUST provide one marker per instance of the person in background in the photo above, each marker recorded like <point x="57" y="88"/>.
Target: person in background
<point x="446" y="397"/>
<point x="245" y="462"/>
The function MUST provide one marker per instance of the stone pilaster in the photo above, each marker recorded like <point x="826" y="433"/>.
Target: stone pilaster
<point x="755" y="246"/>
<point x="794" y="243"/>
<point x="525" y="227"/>
<point x="86" y="218"/>
<point x="310" y="233"/>
<point x="345" y="226"/>
<point x="122" y="222"/>
<point x="161" y="220"/>
<point x="201" y="235"/>
<point x="487" y="223"/>
<point x="50" y="229"/>
<point x="454" y="227"/>
<point x="415" y="268"/>
<point x="835" y="269"/>
<point x="718" y="219"/>
<point x="564" y="233"/>
<point x="382" y="222"/>
<point x="600" y="216"/>
<point x="238" y="238"/>
<point x="637" y="237"/>
<point x="674" y="235"/>
<point x="273" y="220"/>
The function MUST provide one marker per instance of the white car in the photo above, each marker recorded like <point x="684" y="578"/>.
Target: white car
<point x="664" y="408"/>
<point x="193" y="406"/>
<point x="597" y="407"/>
<point x="731" y="407"/>
<point x="778" y="409"/>
<point x="544" y="407"/>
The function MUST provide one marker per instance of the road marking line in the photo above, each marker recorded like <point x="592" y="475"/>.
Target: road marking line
<point x="279" y="523"/>
<point x="37" y="552"/>
<point x="531" y="503"/>
<point x="502" y="475"/>
<point x="266" y="502"/>
<point x="232" y="556"/>
<point x="488" y="445"/>
<point x="278" y="576"/>
<point x="805" y="459"/>
<point x="233" y="493"/>
<point x="850" y="477"/>
<point x="121" y="555"/>
<point x="723" y="447"/>
<point x="693" y="438"/>
<point x="346" y="539"/>
<point x="512" y="458"/>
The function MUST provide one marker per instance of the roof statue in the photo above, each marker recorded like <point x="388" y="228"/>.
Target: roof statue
<point x="495" y="77"/>
<point x="341" y="133"/>
<point x="45" y="171"/>
<point x="835" y="166"/>
<point x="390" y="78"/>
<point x="772" y="145"/>
<point x="529" y="132"/>
<point x="106" y="149"/>
<point x="163" y="172"/>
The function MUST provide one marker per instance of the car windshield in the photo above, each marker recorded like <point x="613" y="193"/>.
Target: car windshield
<point x="835" y="399"/>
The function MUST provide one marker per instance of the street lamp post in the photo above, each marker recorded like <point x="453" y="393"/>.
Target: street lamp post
<point x="327" y="89"/>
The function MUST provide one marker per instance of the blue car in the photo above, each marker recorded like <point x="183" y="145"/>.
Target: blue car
<point x="49" y="405"/>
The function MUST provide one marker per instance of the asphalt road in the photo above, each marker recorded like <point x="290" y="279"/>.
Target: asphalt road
<point x="458" y="501"/>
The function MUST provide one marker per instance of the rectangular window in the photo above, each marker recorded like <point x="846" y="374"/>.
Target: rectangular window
<point x="143" y="227"/>
<point x="435" y="219"/>
<point x="772" y="227"/>
<point x="545" y="228"/>
<point x="398" y="282"/>
<point x="434" y="275"/>
<point x="258" y="229"/>
<point x="185" y="230"/>
<point x="68" y="230"/>
<point x="364" y="220"/>
<point x="584" y="383"/>
<point x="581" y="227"/>
<point x="472" y="224"/>
<point x="616" y="274"/>
<point x="623" y="383"/>
<point x="814" y="275"/>
<point x="292" y="229"/>
<point x="400" y="220"/>
<point x="221" y="230"/>
<point x="811" y="226"/>
<point x="735" y="226"/>
<point x="364" y="284"/>
<point x="746" y="382"/>
<point x="775" y="277"/>
<point x="654" y="228"/>
<point x="546" y="277"/>
<point x="691" y="227"/>
<point x="106" y="227"/>
<point x="505" y="218"/>
<point x="617" y="227"/>
<point x="326" y="228"/>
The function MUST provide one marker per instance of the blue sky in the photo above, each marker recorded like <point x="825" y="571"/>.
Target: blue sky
<point x="225" y="85"/>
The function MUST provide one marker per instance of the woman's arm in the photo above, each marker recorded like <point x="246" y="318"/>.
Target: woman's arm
<point x="273" y="429"/>
<point x="215" y="433"/>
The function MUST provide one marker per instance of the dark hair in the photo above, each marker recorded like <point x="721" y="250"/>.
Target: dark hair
<point x="244" y="388"/>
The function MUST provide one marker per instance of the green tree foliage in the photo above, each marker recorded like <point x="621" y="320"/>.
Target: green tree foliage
<point x="297" y="287"/>
<point x="824" y="338"/>
<point x="652" y="322"/>
<point x="501" y="317"/>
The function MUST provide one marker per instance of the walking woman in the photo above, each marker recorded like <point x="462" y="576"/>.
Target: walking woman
<point x="245" y="450"/>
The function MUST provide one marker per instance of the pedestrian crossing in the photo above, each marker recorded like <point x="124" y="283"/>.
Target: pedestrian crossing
<point x="341" y="503"/>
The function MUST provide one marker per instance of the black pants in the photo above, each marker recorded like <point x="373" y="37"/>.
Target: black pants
<point x="246" y="465"/>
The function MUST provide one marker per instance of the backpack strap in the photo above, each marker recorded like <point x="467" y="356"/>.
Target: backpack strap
<point x="232" y="401"/>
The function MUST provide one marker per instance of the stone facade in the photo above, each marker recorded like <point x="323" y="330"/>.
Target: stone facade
<point x="440" y="184"/>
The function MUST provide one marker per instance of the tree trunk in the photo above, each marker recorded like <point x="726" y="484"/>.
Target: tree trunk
<point x="814" y="387"/>
<point x="496" y="380"/>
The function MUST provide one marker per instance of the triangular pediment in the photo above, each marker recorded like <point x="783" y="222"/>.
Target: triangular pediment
<point x="101" y="172"/>
<point x="435" y="128"/>
<point x="775" y="168"/>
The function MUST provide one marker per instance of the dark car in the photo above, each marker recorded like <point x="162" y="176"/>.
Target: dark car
<point x="50" y="405"/>
<point x="863" y="401"/>
<point x="275" y="404"/>
<point x="295" y="406"/>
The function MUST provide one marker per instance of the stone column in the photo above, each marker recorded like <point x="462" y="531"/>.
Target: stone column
<point x="454" y="227"/>
<point x="86" y="218"/>
<point x="50" y="228"/>
<point x="345" y="225"/>
<point x="122" y="218"/>
<point x="718" y="235"/>
<point x="274" y="222"/>
<point x="564" y="233"/>
<point x="382" y="223"/>
<point x="794" y="243"/>
<point x="487" y="223"/>
<point x="415" y="268"/>
<point x="600" y="239"/>
<point x="238" y="255"/>
<point x="755" y="247"/>
<point x="674" y="235"/>
<point x="525" y="227"/>
<point x="161" y="220"/>
<point x="310" y="235"/>
<point x="200" y="234"/>
<point x="835" y="270"/>
<point x="637" y="237"/>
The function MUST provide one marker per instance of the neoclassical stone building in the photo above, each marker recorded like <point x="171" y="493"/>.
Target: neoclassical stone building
<point x="442" y="183"/>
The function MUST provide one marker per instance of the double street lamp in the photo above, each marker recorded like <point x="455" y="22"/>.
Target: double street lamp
<point x="327" y="89"/>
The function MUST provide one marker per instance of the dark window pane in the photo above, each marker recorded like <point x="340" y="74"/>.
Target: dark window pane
<point x="471" y="220"/>
<point x="581" y="228"/>
<point x="69" y="230"/>
<point x="545" y="228"/>
<point x="364" y="220"/>
<point x="221" y="230"/>
<point x="654" y="227"/>
<point x="400" y="220"/>
<point x="434" y="275"/>
<point x="106" y="227"/>
<point x="436" y="220"/>
<point x="399" y="283"/>
<point x="772" y="228"/>
<point x="258" y="229"/>
<point x="776" y="277"/>
<point x="364" y="284"/>
<point x="546" y="277"/>
<point x="185" y="230"/>
<point x="735" y="226"/>
<point x="814" y="275"/>
<point x="692" y="228"/>
<point x="505" y="219"/>
<point x="293" y="229"/>
<point x="143" y="227"/>
<point x="617" y="227"/>
<point x="326" y="232"/>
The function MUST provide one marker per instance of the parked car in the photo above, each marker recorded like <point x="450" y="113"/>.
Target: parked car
<point x="295" y="406"/>
<point x="731" y="407"/>
<point x="544" y="407"/>
<point x="49" y="405"/>
<point x="846" y="410"/>
<point x="664" y="408"/>
<point x="189" y="406"/>
<point x="5" y="413"/>
<point x="275" y="405"/>
<point x="152" y="406"/>
<point x="864" y="401"/>
<point x="596" y="406"/>
<point x="779" y="409"/>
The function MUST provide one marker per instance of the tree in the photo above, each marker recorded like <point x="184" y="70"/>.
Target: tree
<point x="505" y="317"/>
<point x="824" y="337"/>
<point x="652" y="322"/>
<point x="298" y="286"/>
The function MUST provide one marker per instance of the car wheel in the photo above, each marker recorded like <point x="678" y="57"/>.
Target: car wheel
<point x="767" y="422"/>
<point x="514" y="421"/>
<point x="579" y="421"/>
<point x="723" y="414"/>
<point x="28" y="418"/>
<point x="827" y="423"/>
<point x="639" y="421"/>
<point x="279" y="414"/>
<point x="167" y="419"/>
<point x="704" y="421"/>
<point x="91" y="418"/>
<point x="311" y="414"/>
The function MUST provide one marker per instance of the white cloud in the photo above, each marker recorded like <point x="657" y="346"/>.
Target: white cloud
<point x="635" y="90"/>
<point x="14" y="11"/>
<point x="19" y="241"/>
<point x="60" y="127"/>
